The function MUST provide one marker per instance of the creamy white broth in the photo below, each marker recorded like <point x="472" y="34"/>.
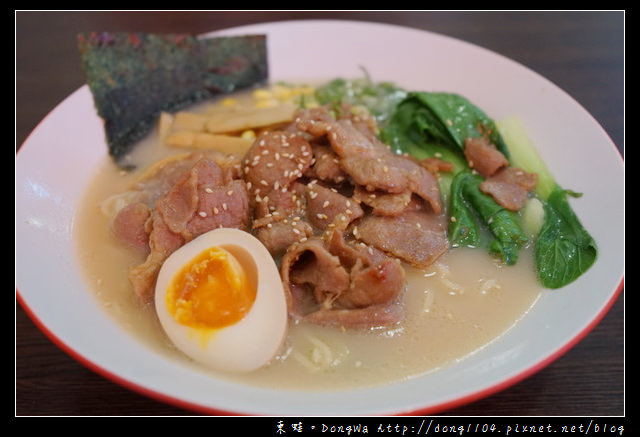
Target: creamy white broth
<point x="460" y="304"/>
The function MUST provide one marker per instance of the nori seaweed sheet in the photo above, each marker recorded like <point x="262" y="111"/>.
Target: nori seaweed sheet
<point x="135" y="76"/>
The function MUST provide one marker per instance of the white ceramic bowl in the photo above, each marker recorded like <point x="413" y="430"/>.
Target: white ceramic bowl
<point x="53" y="167"/>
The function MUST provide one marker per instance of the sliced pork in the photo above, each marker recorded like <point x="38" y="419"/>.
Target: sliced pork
<point x="275" y="160"/>
<point x="326" y="207"/>
<point x="483" y="156"/>
<point x="202" y="196"/>
<point x="130" y="226"/>
<point x="342" y="284"/>
<point x="326" y="166"/>
<point x="381" y="202"/>
<point x="510" y="187"/>
<point x="417" y="236"/>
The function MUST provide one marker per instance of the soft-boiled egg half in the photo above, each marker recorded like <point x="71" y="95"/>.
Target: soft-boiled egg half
<point x="220" y="300"/>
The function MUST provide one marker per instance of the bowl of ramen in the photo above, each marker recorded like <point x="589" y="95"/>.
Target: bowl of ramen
<point x="363" y="236"/>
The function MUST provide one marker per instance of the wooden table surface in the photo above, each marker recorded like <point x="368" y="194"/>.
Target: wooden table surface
<point x="581" y="52"/>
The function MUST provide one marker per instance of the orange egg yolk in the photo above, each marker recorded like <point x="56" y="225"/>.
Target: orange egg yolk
<point x="211" y="291"/>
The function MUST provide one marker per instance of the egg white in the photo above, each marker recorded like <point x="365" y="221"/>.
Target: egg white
<point x="255" y="339"/>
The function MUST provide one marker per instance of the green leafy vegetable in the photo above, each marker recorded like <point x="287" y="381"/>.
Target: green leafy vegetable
<point x="380" y="98"/>
<point x="564" y="248"/>
<point x="446" y="118"/>
<point x="464" y="229"/>
<point x="436" y="125"/>
<point x="470" y="209"/>
<point x="504" y="225"/>
<point x="405" y="133"/>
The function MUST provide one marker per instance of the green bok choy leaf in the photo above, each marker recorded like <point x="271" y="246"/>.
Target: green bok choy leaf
<point x="436" y="125"/>
<point x="564" y="249"/>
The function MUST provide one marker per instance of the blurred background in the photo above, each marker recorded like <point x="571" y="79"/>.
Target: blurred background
<point x="581" y="52"/>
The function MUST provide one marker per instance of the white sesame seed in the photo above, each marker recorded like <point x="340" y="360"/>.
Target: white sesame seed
<point x="202" y="214"/>
<point x="277" y="155"/>
<point x="325" y="204"/>
<point x="208" y="190"/>
<point x="453" y="219"/>
<point x="263" y="182"/>
<point x="224" y="206"/>
<point x="229" y="193"/>
<point x="295" y="231"/>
